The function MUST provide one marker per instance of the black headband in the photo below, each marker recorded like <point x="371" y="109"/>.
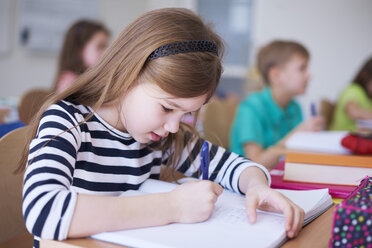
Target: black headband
<point x="184" y="47"/>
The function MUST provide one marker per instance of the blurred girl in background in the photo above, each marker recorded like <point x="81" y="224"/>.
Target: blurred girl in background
<point x="84" y="43"/>
<point x="355" y="102"/>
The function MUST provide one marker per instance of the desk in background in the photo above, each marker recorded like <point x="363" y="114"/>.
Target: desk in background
<point x="316" y="234"/>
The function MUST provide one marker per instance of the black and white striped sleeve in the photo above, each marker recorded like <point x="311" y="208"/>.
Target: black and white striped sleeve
<point x="224" y="168"/>
<point x="48" y="202"/>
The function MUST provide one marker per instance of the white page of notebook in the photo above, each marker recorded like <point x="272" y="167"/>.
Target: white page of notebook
<point x="322" y="141"/>
<point x="227" y="227"/>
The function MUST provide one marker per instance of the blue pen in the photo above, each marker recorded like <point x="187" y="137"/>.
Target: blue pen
<point x="204" y="160"/>
<point x="313" y="109"/>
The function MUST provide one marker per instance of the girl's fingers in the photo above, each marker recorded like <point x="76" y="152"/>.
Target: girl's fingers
<point x="299" y="220"/>
<point x="293" y="214"/>
<point x="251" y="206"/>
<point x="287" y="210"/>
<point x="218" y="189"/>
<point x="294" y="227"/>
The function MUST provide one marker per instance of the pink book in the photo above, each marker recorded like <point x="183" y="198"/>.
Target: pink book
<point x="337" y="191"/>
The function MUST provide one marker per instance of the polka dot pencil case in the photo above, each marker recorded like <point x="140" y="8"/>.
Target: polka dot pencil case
<point x="352" y="219"/>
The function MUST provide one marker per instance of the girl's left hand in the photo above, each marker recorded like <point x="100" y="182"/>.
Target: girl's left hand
<point x="265" y="198"/>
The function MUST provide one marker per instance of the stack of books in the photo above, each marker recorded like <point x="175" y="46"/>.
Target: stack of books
<point x="318" y="160"/>
<point x="339" y="173"/>
<point x="327" y="168"/>
<point x="277" y="173"/>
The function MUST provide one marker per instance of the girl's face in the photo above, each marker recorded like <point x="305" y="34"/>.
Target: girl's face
<point x="94" y="48"/>
<point x="149" y="114"/>
<point x="294" y="75"/>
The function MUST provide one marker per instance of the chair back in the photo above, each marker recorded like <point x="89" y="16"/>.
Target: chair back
<point x="4" y="111"/>
<point x="217" y="118"/>
<point x="326" y="110"/>
<point x="11" y="149"/>
<point x="30" y="103"/>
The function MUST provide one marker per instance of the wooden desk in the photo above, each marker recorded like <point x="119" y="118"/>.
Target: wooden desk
<point x="316" y="234"/>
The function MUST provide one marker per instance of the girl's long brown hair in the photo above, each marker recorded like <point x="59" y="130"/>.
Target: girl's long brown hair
<point x="76" y="38"/>
<point x="183" y="75"/>
<point x="364" y="76"/>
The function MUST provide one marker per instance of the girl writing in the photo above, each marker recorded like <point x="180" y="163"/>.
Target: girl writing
<point x="84" y="43"/>
<point x="120" y="122"/>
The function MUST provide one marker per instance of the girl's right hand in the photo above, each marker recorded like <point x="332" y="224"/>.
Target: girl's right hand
<point x="194" y="201"/>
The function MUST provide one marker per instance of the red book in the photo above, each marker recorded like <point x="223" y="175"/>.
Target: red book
<point x="337" y="191"/>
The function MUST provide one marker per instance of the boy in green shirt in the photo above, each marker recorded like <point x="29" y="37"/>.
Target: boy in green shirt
<point x="265" y="119"/>
<point x="355" y="102"/>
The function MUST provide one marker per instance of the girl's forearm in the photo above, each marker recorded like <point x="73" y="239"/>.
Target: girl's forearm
<point x="252" y="176"/>
<point x="95" y="214"/>
<point x="355" y="112"/>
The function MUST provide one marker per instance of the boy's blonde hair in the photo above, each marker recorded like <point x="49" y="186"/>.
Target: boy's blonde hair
<point x="276" y="54"/>
<point x="183" y="75"/>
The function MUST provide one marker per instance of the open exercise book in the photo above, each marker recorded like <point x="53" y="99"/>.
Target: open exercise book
<point x="227" y="227"/>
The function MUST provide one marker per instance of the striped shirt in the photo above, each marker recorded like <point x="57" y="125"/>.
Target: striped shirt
<point x="95" y="158"/>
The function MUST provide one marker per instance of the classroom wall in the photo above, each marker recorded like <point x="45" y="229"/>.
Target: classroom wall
<point x="21" y="70"/>
<point x="337" y="33"/>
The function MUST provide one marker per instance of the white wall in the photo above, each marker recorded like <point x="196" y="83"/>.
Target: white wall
<point x="336" y="32"/>
<point x="21" y="70"/>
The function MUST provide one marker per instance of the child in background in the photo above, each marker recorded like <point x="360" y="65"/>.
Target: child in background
<point x="265" y="119"/>
<point x="84" y="43"/>
<point x="120" y="122"/>
<point x="355" y="102"/>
